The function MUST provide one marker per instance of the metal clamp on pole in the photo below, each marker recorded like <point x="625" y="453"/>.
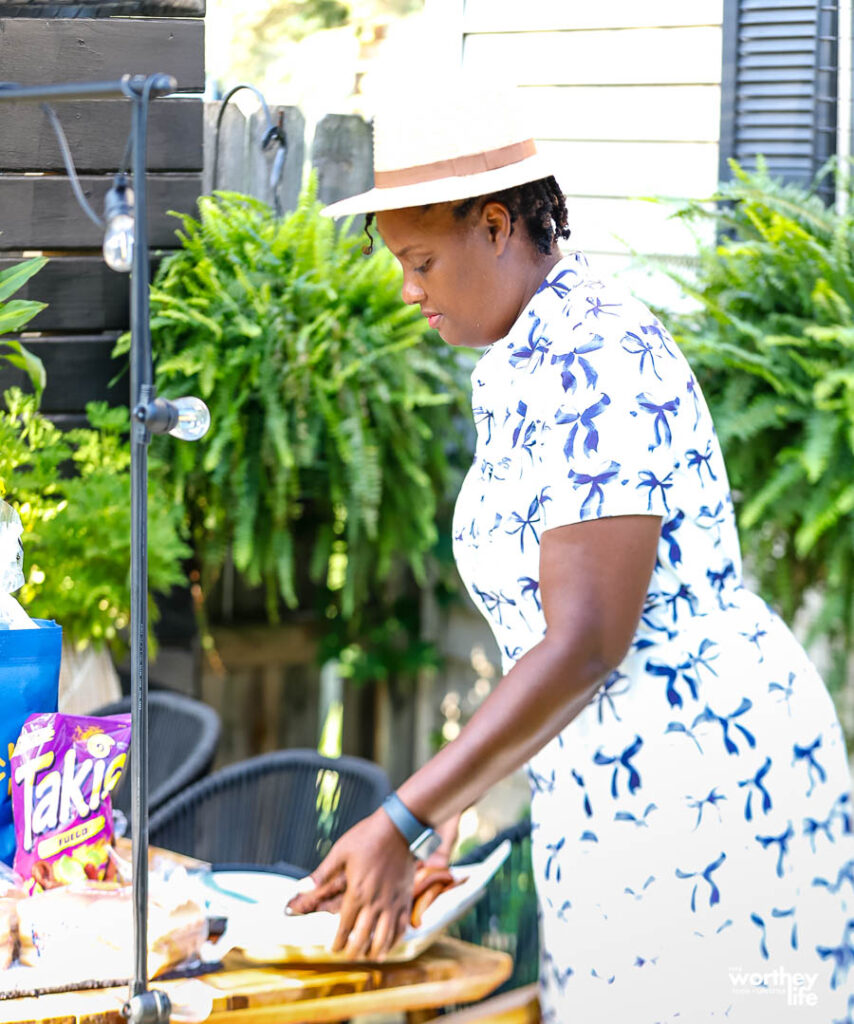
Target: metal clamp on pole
<point x="150" y="1007"/>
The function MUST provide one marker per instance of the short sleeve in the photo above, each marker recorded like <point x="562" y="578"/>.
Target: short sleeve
<point x="614" y="417"/>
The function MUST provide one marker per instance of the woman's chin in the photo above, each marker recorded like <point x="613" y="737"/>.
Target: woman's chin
<point x="467" y="340"/>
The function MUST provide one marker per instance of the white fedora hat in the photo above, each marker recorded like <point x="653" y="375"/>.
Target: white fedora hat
<point x="452" y="141"/>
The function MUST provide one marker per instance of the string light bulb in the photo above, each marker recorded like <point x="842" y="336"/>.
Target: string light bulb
<point x="118" y="215"/>
<point x="187" y="418"/>
<point x="194" y="418"/>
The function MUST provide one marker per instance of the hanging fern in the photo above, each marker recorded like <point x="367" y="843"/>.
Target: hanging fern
<point x="332" y="405"/>
<point x="772" y="343"/>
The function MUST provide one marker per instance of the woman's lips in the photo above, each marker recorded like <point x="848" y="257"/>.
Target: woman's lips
<point x="433" y="319"/>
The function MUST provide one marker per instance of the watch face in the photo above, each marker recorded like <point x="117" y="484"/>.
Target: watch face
<point x="426" y="844"/>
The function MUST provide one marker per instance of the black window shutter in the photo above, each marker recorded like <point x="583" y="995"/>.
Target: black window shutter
<point x="779" y="86"/>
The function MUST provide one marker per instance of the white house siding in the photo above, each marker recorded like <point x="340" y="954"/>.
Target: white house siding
<point x="625" y="96"/>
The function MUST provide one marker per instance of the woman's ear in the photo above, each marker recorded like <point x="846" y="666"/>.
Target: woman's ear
<point x="495" y="218"/>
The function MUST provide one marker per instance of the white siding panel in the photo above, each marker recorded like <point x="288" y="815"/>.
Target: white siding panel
<point x="623" y="169"/>
<point x="672" y="113"/>
<point x="612" y="225"/>
<point x="512" y="16"/>
<point x="651" y="285"/>
<point x="624" y="96"/>
<point x="687" y="56"/>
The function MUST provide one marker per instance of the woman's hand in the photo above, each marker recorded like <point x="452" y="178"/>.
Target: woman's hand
<point x="371" y="869"/>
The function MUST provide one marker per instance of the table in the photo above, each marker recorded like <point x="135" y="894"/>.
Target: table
<point x="449" y="972"/>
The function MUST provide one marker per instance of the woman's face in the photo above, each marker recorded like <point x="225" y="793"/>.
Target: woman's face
<point x="460" y="271"/>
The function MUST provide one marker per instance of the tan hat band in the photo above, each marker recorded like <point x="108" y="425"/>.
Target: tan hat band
<point x="474" y="163"/>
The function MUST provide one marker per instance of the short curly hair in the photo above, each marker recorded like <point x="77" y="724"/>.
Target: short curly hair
<point x="540" y="205"/>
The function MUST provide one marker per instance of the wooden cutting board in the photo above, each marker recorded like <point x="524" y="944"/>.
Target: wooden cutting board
<point x="449" y="972"/>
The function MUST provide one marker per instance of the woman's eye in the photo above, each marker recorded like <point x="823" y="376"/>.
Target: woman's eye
<point x="423" y="268"/>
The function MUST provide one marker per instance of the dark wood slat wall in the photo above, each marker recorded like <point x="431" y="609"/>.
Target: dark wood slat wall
<point x="78" y="289"/>
<point x="101" y="9"/>
<point x="42" y="213"/>
<point x="79" y="370"/>
<point x="88" y="304"/>
<point x="97" y="135"/>
<point x="38" y="51"/>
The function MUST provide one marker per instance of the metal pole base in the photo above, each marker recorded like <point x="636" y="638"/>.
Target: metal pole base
<point x="149" y="1007"/>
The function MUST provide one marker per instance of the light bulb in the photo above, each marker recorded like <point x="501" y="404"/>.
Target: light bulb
<point x="118" y="243"/>
<point x="194" y="418"/>
<point x="118" y="214"/>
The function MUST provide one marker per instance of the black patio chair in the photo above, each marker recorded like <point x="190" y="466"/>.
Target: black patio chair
<point x="283" y="809"/>
<point x="505" y="917"/>
<point x="182" y="735"/>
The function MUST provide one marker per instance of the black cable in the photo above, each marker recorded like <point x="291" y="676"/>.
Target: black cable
<point x="274" y="133"/>
<point x="277" y="134"/>
<point x="123" y="167"/>
<point x="69" y="166"/>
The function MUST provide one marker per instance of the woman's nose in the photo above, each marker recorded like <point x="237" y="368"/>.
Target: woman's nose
<point x="411" y="292"/>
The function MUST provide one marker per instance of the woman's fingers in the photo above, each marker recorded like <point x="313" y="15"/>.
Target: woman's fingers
<point x="350" y="909"/>
<point x="329" y="881"/>
<point x="402" y="924"/>
<point x="384" y="934"/>
<point x="333" y="904"/>
<point x="332" y="864"/>
<point x="323" y="892"/>
<point x="361" y="935"/>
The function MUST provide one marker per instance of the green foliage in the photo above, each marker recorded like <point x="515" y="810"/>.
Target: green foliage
<point x="772" y="344"/>
<point x="72" y="491"/>
<point x="332" y="408"/>
<point x="15" y="314"/>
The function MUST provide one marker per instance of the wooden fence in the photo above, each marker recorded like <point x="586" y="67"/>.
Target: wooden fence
<point x="340" y="153"/>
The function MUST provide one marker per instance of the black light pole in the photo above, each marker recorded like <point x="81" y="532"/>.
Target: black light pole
<point x="184" y="417"/>
<point x="144" y="1006"/>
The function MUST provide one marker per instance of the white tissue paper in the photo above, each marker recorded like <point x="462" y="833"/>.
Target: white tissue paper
<point x="12" y="615"/>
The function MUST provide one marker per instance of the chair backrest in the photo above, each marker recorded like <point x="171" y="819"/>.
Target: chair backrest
<point x="282" y="808"/>
<point x="183" y="734"/>
<point x="505" y="917"/>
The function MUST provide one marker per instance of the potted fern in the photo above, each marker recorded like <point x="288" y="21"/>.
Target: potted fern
<point x="332" y="443"/>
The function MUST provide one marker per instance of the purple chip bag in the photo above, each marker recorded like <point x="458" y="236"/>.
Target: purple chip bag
<point x="64" y="768"/>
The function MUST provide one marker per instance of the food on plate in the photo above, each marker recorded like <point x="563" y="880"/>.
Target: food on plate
<point x="87" y="927"/>
<point x="63" y="769"/>
<point x="430" y="883"/>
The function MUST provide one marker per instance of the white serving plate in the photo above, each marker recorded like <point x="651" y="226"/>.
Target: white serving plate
<point x="253" y="902"/>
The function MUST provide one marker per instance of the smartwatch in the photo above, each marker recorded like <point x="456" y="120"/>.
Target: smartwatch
<point x="420" y="838"/>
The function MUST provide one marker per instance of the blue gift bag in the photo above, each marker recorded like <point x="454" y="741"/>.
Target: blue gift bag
<point x="29" y="683"/>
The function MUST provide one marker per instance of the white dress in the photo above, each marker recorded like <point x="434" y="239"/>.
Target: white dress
<point x="692" y="827"/>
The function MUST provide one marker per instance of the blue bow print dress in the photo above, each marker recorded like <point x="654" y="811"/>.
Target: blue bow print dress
<point x="692" y="827"/>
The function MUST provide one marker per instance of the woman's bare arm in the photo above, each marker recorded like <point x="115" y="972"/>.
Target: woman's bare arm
<point x="593" y="580"/>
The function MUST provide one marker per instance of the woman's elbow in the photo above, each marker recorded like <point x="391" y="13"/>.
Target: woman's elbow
<point x="589" y="657"/>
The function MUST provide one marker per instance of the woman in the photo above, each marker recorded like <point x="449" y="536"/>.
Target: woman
<point x="692" y="832"/>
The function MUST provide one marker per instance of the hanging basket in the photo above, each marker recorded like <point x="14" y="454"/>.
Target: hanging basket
<point x="101" y="8"/>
